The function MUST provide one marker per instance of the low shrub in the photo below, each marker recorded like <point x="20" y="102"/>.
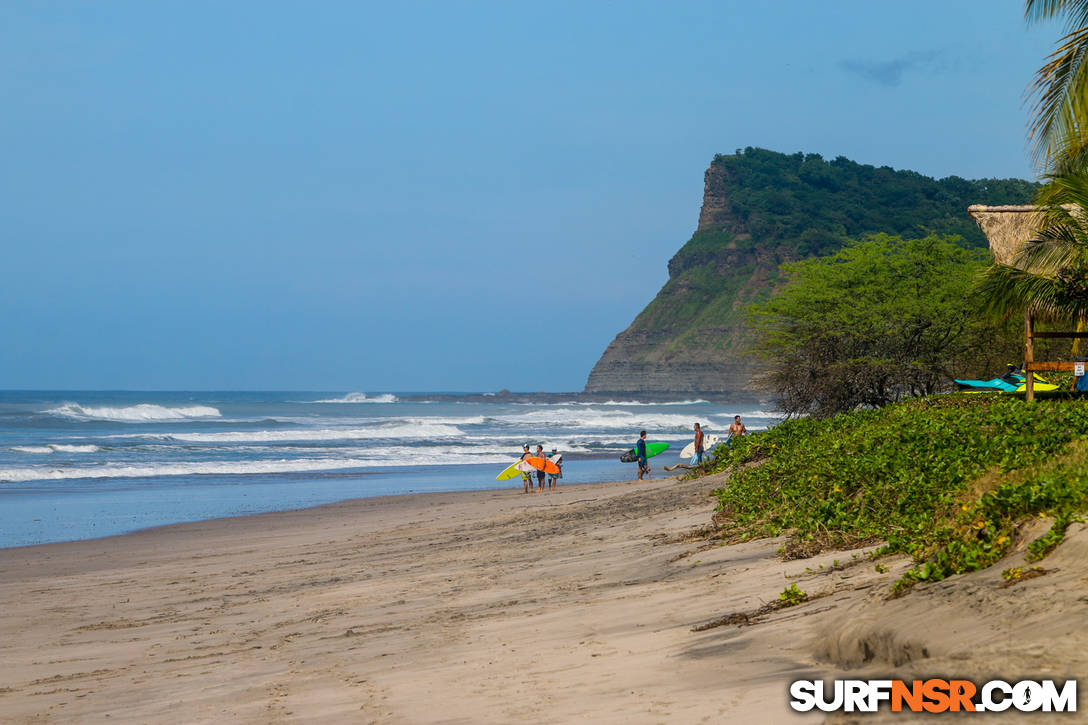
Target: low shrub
<point x="933" y="478"/>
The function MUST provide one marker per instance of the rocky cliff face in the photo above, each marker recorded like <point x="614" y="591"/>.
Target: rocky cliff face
<point x="760" y="209"/>
<point x="619" y="371"/>
<point x="662" y="352"/>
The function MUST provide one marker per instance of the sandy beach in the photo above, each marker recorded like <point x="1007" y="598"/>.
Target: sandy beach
<point x="589" y="604"/>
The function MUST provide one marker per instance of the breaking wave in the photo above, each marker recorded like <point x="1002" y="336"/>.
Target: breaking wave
<point x="13" y="475"/>
<point x="362" y="398"/>
<point x="56" y="448"/>
<point x="243" y="468"/>
<point x="697" y="401"/>
<point x="589" y="419"/>
<point x="142" y="413"/>
<point x="394" y="430"/>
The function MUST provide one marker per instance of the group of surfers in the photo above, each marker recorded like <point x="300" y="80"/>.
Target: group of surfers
<point x="549" y="480"/>
<point x="736" y="428"/>
<point x="552" y="478"/>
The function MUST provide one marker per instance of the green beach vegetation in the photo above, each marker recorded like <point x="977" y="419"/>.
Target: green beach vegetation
<point x="947" y="480"/>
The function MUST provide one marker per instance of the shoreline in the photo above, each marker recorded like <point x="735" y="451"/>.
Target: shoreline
<point x="334" y="509"/>
<point x="489" y="606"/>
<point x="332" y="504"/>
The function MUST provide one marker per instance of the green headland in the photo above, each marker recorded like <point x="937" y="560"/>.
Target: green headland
<point x="762" y="209"/>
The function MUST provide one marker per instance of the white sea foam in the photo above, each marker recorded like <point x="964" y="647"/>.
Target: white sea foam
<point x="590" y="419"/>
<point x="774" y="415"/>
<point x="605" y="420"/>
<point x="389" y="430"/>
<point x="468" y="420"/>
<point x="362" y="398"/>
<point x="387" y="457"/>
<point x="636" y="403"/>
<point x="56" y="448"/>
<point x="40" y="473"/>
<point x="141" y="413"/>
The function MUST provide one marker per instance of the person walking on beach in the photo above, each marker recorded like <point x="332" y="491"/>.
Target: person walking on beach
<point x="557" y="459"/>
<point x="526" y="476"/>
<point x="640" y="450"/>
<point x="540" y="471"/>
<point x="698" y="460"/>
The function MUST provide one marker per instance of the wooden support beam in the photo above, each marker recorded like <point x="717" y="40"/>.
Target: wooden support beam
<point x="1029" y="357"/>
<point x="1049" y="367"/>
<point x="1040" y="335"/>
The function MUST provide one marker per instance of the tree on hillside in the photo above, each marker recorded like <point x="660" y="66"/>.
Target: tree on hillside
<point x="882" y="319"/>
<point x="1060" y="89"/>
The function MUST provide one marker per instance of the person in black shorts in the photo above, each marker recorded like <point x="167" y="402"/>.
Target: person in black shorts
<point x="643" y="463"/>
<point x="540" y="471"/>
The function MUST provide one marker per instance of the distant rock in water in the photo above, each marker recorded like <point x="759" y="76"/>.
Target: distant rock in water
<point x="760" y="209"/>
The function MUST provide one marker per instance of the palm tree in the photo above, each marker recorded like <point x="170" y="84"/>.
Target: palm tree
<point x="1048" y="279"/>
<point x="1059" y="131"/>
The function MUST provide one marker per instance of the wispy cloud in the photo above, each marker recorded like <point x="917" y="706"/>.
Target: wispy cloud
<point x="890" y="73"/>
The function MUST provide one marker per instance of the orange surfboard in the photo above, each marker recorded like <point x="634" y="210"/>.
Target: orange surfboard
<point x="542" y="464"/>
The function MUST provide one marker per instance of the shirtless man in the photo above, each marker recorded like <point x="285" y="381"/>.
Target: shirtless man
<point x="737" y="428"/>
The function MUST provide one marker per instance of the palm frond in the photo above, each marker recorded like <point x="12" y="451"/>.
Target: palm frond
<point x="1072" y="158"/>
<point x="1042" y="10"/>
<point x="1052" y="249"/>
<point x="1008" y="291"/>
<point x="1060" y="109"/>
<point x="1061" y="243"/>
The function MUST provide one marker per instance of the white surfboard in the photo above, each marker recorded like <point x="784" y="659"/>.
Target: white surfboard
<point x="514" y="470"/>
<point x="709" y="442"/>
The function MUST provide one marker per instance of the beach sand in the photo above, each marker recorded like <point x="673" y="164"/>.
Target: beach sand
<point x="574" y="606"/>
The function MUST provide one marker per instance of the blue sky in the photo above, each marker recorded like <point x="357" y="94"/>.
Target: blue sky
<point x="429" y="196"/>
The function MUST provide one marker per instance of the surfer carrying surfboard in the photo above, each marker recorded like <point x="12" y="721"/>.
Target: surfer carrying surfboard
<point x="557" y="458"/>
<point x="540" y="471"/>
<point x="526" y="477"/>
<point x="643" y="464"/>
<point x="698" y="444"/>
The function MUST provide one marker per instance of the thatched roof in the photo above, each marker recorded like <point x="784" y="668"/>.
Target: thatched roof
<point x="1007" y="227"/>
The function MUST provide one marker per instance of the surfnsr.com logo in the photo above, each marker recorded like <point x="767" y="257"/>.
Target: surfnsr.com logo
<point x="934" y="695"/>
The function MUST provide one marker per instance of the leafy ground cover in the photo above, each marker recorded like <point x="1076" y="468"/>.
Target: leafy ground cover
<point x="947" y="480"/>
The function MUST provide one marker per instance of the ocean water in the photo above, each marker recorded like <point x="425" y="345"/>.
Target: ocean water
<point x="78" y="465"/>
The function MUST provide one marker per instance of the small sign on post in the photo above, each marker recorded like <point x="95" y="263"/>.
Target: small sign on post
<point x="1078" y="368"/>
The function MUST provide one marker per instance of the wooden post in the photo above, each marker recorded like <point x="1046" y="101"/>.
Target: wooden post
<point x="1029" y="357"/>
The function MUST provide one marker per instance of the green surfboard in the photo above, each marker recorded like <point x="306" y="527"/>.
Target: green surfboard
<point x="652" y="449"/>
